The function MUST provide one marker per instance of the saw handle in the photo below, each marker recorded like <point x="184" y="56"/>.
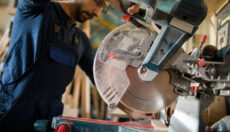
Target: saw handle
<point x="147" y="6"/>
<point x="129" y="18"/>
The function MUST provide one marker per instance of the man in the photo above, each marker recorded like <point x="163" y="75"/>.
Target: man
<point x="44" y="50"/>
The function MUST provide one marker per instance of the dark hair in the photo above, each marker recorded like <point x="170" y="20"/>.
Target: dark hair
<point x="100" y="2"/>
<point x="209" y="52"/>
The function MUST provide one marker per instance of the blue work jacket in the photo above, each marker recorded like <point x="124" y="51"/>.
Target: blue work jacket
<point x="44" y="50"/>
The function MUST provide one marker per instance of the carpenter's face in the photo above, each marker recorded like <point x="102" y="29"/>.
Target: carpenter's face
<point x="89" y="9"/>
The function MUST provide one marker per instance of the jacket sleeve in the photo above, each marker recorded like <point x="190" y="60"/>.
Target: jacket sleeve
<point x="87" y="58"/>
<point x="32" y="4"/>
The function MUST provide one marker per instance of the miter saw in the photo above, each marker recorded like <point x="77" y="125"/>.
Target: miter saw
<point x="142" y="66"/>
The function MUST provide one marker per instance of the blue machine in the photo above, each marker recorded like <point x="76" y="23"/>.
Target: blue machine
<point x="175" y="21"/>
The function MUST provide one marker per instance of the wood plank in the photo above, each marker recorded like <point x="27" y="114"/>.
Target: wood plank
<point x="117" y="113"/>
<point x="4" y="38"/>
<point x="85" y="100"/>
<point x="88" y="96"/>
<point x="76" y="90"/>
<point x="69" y="111"/>
<point x="86" y="82"/>
<point x="66" y="99"/>
<point x="95" y="102"/>
<point x="102" y="110"/>
<point x="217" y="110"/>
<point x="4" y="47"/>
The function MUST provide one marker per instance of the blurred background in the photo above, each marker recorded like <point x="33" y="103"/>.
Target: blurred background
<point x="3" y="14"/>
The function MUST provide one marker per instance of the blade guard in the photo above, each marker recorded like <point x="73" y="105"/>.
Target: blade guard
<point x="124" y="42"/>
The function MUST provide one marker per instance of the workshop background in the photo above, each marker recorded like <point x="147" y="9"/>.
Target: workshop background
<point x="81" y="98"/>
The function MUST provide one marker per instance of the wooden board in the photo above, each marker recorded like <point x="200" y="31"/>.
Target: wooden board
<point x="215" y="112"/>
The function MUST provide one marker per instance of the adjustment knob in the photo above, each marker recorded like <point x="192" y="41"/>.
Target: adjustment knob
<point x="62" y="128"/>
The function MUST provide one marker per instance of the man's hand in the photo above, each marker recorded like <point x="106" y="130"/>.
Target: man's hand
<point x="138" y="115"/>
<point x="131" y="10"/>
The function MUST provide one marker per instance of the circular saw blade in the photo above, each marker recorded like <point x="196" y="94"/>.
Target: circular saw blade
<point x="148" y="96"/>
<point x="117" y="80"/>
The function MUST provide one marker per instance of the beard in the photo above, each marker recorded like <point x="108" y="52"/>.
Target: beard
<point x="82" y="16"/>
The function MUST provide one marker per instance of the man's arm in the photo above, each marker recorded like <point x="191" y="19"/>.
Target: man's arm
<point x="87" y="58"/>
<point x="138" y="115"/>
<point x="29" y="4"/>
